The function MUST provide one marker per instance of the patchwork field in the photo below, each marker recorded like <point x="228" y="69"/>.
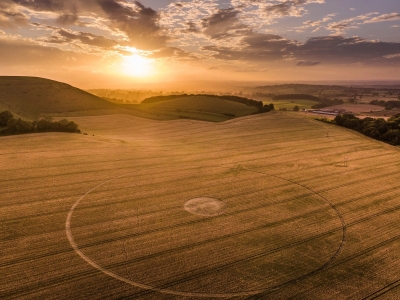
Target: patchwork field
<point x="261" y="207"/>
<point x="290" y="104"/>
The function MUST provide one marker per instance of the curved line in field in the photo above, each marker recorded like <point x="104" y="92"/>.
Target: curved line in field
<point x="343" y="223"/>
<point x="194" y="294"/>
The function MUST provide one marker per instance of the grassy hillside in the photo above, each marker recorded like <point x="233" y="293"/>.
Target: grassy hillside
<point x="31" y="98"/>
<point x="200" y="107"/>
<point x="104" y="216"/>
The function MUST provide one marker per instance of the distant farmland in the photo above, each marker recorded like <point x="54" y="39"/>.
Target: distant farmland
<point x="102" y="216"/>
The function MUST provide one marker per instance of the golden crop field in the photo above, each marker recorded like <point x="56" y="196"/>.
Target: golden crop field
<point x="269" y="206"/>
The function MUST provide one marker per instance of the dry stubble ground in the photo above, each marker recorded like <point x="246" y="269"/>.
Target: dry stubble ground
<point x="297" y="224"/>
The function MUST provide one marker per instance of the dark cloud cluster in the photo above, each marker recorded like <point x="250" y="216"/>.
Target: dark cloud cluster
<point x="223" y="24"/>
<point x="140" y="23"/>
<point x="68" y="18"/>
<point x="287" y="8"/>
<point x="307" y="63"/>
<point x="62" y="36"/>
<point x="255" y="47"/>
<point x="329" y="50"/>
<point x="137" y="22"/>
<point x="10" y="17"/>
<point x="339" y="49"/>
<point x="191" y="28"/>
<point x="173" y="52"/>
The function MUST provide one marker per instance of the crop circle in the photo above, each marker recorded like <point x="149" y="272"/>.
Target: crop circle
<point x="205" y="206"/>
<point x="274" y="233"/>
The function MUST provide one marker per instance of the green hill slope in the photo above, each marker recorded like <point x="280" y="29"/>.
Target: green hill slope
<point x="32" y="97"/>
<point x="200" y="107"/>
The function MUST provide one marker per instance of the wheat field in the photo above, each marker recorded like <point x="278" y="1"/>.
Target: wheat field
<point x="309" y="211"/>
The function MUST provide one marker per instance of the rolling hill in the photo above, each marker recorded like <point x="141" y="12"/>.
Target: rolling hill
<point x="31" y="98"/>
<point x="201" y="108"/>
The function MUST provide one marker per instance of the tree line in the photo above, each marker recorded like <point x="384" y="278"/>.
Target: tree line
<point x="388" y="105"/>
<point x="18" y="126"/>
<point x="323" y="102"/>
<point x="296" y="96"/>
<point x="249" y="102"/>
<point x="379" y="129"/>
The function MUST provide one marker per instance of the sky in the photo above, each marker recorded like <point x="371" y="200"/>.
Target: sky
<point x="126" y="43"/>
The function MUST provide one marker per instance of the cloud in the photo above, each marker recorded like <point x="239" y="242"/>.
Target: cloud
<point x="287" y="8"/>
<point x="139" y="23"/>
<point x="172" y="52"/>
<point x="275" y="8"/>
<point x="11" y="17"/>
<point x="191" y="28"/>
<point x="307" y="63"/>
<point x="341" y="50"/>
<point x="68" y="18"/>
<point x="342" y="26"/>
<point x="256" y="46"/>
<point x="315" y="24"/>
<point x="43" y="5"/>
<point x="383" y="18"/>
<point x="397" y="55"/>
<point x="62" y="36"/>
<point x="329" y="50"/>
<point x="224" y="23"/>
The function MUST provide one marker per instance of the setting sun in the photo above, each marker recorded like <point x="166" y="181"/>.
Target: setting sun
<point x="136" y="65"/>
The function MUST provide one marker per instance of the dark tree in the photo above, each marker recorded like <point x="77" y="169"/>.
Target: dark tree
<point x="19" y="126"/>
<point x="4" y="117"/>
<point x="380" y="129"/>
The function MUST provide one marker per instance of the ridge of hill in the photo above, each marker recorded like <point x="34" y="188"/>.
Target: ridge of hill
<point x="33" y="97"/>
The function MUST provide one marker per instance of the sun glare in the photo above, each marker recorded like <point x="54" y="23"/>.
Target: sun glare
<point x="136" y="65"/>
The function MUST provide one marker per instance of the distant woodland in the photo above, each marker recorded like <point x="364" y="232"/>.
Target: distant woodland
<point x="388" y="105"/>
<point x="379" y="129"/>
<point x="19" y="126"/>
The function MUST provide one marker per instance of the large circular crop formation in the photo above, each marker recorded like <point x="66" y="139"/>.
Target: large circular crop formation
<point x="213" y="232"/>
